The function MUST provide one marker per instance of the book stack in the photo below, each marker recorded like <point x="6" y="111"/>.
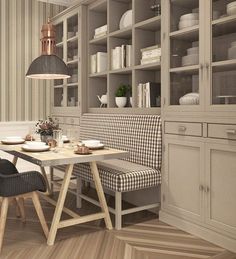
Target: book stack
<point x="149" y="95"/>
<point x="151" y="55"/>
<point x="121" y="57"/>
<point x="98" y="62"/>
<point x="100" y="31"/>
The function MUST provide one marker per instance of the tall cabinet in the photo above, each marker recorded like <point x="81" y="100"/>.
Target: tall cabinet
<point x="66" y="94"/>
<point x="199" y="118"/>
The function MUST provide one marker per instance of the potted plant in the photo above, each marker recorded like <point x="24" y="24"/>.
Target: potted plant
<point x="45" y="128"/>
<point x="121" y="98"/>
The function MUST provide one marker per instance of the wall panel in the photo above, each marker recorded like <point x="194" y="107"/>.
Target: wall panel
<point x="20" y="31"/>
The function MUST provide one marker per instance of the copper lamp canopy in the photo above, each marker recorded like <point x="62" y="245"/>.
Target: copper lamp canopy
<point x="48" y="65"/>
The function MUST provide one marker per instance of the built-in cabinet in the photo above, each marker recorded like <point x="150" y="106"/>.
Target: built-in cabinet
<point x="199" y="119"/>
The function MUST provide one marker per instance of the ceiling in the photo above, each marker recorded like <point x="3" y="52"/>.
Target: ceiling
<point x="60" y="2"/>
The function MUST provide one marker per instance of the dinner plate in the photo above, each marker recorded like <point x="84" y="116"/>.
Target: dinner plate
<point x="100" y="146"/>
<point x="12" y="141"/>
<point x="126" y="19"/>
<point x="35" y="149"/>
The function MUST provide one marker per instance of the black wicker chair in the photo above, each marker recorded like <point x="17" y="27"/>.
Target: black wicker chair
<point x="15" y="186"/>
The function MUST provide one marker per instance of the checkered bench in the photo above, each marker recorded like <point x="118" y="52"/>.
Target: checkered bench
<point x="140" y="135"/>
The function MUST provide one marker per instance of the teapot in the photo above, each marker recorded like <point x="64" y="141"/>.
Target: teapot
<point x="82" y="149"/>
<point x="102" y="99"/>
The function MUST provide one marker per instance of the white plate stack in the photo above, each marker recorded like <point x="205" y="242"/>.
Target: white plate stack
<point x="232" y="51"/>
<point x="192" y="57"/>
<point x="231" y="8"/>
<point x="188" y="20"/>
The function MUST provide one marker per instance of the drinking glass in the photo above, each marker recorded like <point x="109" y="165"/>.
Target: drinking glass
<point x="73" y="136"/>
<point x="57" y="135"/>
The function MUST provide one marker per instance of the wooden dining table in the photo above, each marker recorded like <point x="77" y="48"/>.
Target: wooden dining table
<point x="66" y="156"/>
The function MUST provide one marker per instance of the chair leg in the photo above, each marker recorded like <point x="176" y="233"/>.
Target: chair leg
<point x="118" y="209"/>
<point x="40" y="214"/>
<point x="3" y="218"/>
<point x="16" y="204"/>
<point x="22" y="209"/>
<point x="78" y="192"/>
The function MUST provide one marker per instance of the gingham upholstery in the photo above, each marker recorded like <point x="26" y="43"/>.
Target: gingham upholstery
<point x="140" y="135"/>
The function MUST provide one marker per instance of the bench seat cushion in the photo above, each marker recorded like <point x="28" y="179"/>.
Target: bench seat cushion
<point x="119" y="175"/>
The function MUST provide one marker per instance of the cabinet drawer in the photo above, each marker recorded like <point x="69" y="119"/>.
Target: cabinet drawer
<point x="225" y="131"/>
<point x="183" y="128"/>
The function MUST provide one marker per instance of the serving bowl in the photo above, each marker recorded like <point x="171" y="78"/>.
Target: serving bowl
<point x="189" y="99"/>
<point x="189" y="16"/>
<point x="190" y="60"/>
<point x="231" y="8"/>
<point x="187" y="23"/>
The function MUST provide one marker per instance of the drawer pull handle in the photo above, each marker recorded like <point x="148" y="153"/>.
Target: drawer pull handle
<point x="182" y="128"/>
<point x="231" y="131"/>
<point x="201" y="187"/>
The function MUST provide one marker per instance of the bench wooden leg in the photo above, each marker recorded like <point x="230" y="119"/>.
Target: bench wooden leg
<point x="3" y="218"/>
<point x="118" y="209"/>
<point x="78" y="192"/>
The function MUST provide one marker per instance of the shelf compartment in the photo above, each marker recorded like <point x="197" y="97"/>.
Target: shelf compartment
<point x="58" y="96"/>
<point x="96" y="86"/>
<point x="99" y="41"/>
<point x="224" y="65"/>
<point x="152" y="24"/>
<point x="190" y="4"/>
<point x="151" y="66"/>
<point x="186" y="70"/>
<point x="225" y="25"/>
<point x="189" y="34"/>
<point x="125" y="33"/>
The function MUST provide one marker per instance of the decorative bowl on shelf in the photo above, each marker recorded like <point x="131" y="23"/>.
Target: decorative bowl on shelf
<point x="190" y="60"/>
<point x="231" y="8"/>
<point x="126" y="19"/>
<point x="189" y="99"/>
<point x="189" y="16"/>
<point x="187" y="23"/>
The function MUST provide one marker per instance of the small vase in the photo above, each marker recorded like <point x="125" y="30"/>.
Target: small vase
<point x="45" y="138"/>
<point x="121" y="101"/>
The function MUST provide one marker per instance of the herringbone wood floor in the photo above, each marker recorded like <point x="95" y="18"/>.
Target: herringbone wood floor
<point x="150" y="239"/>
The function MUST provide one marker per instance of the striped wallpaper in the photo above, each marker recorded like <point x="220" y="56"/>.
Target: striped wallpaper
<point x="20" y="31"/>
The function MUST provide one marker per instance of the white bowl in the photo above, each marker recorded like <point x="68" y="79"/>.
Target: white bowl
<point x="193" y="50"/>
<point x="190" y="60"/>
<point x="232" y="52"/>
<point x="187" y="23"/>
<point x="91" y="142"/>
<point x="232" y="4"/>
<point x="36" y="144"/>
<point x="231" y="10"/>
<point x="233" y="44"/>
<point x="189" y="16"/>
<point x="189" y="99"/>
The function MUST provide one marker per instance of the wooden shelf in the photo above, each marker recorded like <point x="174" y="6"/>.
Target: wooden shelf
<point x="74" y="61"/>
<point x="72" y="84"/>
<point x="186" y="70"/>
<point x="151" y="66"/>
<point x="122" y="71"/>
<point x="224" y="25"/>
<point x="152" y="24"/>
<point x="126" y="110"/>
<point x="99" y="41"/>
<point x="60" y="44"/>
<point x="189" y="34"/>
<point x="225" y="65"/>
<point x="58" y="86"/>
<point x="101" y="74"/>
<point x="125" y="33"/>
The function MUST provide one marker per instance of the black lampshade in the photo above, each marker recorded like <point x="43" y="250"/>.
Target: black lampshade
<point x="48" y="67"/>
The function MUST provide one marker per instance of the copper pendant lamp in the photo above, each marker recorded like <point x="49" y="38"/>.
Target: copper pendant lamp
<point x="48" y="65"/>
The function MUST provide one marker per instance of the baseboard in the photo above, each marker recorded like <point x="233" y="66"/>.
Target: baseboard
<point x="204" y="233"/>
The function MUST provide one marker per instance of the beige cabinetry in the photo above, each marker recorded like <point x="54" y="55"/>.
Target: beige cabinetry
<point x="199" y="119"/>
<point x="66" y="94"/>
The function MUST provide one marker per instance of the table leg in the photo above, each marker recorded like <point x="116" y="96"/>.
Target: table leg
<point x="60" y="205"/>
<point x="100" y="193"/>
<point x="49" y="190"/>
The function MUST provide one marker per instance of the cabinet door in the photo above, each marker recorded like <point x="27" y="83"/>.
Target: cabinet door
<point x="183" y="176"/>
<point x="184" y="46"/>
<point x="221" y="187"/>
<point x="220" y="42"/>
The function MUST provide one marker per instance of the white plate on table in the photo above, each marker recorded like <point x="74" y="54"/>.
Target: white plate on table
<point x="92" y="147"/>
<point x="35" y="148"/>
<point x="12" y="140"/>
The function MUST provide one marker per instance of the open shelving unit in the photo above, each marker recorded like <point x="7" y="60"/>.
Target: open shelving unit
<point x="145" y="31"/>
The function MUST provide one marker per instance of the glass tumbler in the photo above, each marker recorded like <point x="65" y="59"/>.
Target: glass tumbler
<point x="57" y="135"/>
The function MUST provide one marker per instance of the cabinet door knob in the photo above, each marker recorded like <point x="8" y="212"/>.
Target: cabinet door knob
<point x="231" y="131"/>
<point x="182" y="128"/>
<point x="206" y="189"/>
<point x="201" y="188"/>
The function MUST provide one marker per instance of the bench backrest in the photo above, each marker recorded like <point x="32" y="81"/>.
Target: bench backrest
<point x="138" y="134"/>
